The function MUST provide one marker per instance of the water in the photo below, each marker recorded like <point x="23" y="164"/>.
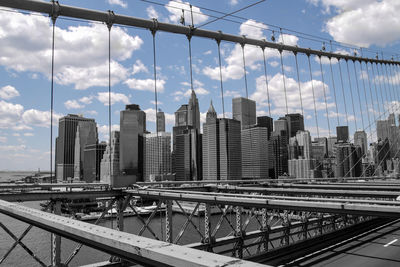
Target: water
<point x="11" y="176"/>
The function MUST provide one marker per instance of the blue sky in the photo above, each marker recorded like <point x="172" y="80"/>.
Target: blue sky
<point x="81" y="70"/>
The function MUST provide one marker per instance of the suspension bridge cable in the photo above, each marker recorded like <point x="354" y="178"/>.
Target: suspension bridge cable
<point x="358" y="93"/>
<point x="109" y="26"/>
<point x="388" y="84"/>
<point x="344" y="96"/>
<point x="376" y="79"/>
<point x="365" y="96"/>
<point x="326" y="103"/>
<point x="370" y="87"/>
<point x="298" y="83"/>
<point x="351" y="94"/>
<point x="312" y="87"/>
<point x="266" y="82"/>
<point x="284" y="82"/>
<point x="54" y="17"/>
<point x="220" y="78"/>
<point x="334" y="91"/>
<point x="390" y="74"/>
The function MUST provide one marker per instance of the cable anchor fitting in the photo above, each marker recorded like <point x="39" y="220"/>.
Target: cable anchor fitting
<point x="154" y="29"/>
<point x="110" y="19"/>
<point x="55" y="11"/>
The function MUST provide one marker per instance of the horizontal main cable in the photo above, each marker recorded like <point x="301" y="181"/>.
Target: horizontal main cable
<point x="94" y="15"/>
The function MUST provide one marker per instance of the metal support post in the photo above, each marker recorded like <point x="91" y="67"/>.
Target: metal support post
<point x="266" y="228"/>
<point x="56" y="239"/>
<point x="168" y="222"/>
<point x="320" y="223"/>
<point x="239" y="232"/>
<point x="120" y="214"/>
<point x="208" y="239"/>
<point x="286" y="224"/>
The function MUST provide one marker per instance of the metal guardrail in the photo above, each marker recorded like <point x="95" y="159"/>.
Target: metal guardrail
<point x="124" y="245"/>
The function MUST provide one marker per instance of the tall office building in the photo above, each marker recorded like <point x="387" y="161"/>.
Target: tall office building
<point x="342" y="133"/>
<point x="332" y="146"/>
<point x="160" y="121"/>
<point x="295" y="122"/>
<point x="302" y="168"/>
<point x="347" y="160"/>
<point x="392" y="119"/>
<point x="360" y="140"/>
<point x="193" y="112"/>
<point x="157" y="156"/>
<point x="65" y="145"/>
<point x="304" y="141"/>
<point x="244" y="110"/>
<point x="382" y="129"/>
<point x="132" y="127"/>
<point x="91" y="165"/>
<point x="279" y="142"/>
<point x="280" y="125"/>
<point x="265" y="121"/>
<point x="322" y="141"/>
<point x="221" y="148"/>
<point x="181" y="116"/>
<point x="109" y="172"/>
<point x="186" y="138"/>
<point x="255" y="154"/>
<point x="86" y="134"/>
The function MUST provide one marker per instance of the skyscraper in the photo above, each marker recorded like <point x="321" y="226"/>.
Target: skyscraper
<point x="91" y="165"/>
<point x="280" y="125"/>
<point x="160" y="121"/>
<point x="186" y="137"/>
<point x="193" y="112"/>
<point x="255" y="154"/>
<point x="342" y="133"/>
<point x="244" y="110"/>
<point x="86" y="134"/>
<point x="132" y="127"/>
<point x="221" y="148"/>
<point x="65" y="145"/>
<point x="360" y="140"/>
<point x="109" y="172"/>
<point x="304" y="141"/>
<point x="295" y="122"/>
<point x="265" y="121"/>
<point x="347" y="163"/>
<point x="157" y="156"/>
<point x="382" y="129"/>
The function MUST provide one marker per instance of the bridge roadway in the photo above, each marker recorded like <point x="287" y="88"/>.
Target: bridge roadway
<point x="377" y="247"/>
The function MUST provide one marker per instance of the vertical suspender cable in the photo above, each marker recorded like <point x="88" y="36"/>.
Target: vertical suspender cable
<point x="109" y="25"/>
<point x="220" y="78"/>
<point x="370" y="91"/>
<point x="383" y="86"/>
<point x="366" y="98"/>
<point x="326" y="103"/>
<point x="284" y="82"/>
<point x="54" y="17"/>
<point x="344" y="96"/>
<point x="244" y="71"/>
<point x="376" y="80"/>
<point x="312" y="87"/>
<point x="334" y="91"/>
<point x="153" y="33"/>
<point x="390" y="74"/>
<point x="266" y="83"/>
<point x="351" y="94"/>
<point x="359" y="97"/>
<point x="298" y="83"/>
<point x="384" y="70"/>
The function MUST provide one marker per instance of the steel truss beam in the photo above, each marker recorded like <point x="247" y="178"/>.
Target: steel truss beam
<point x="154" y="25"/>
<point x="241" y="200"/>
<point x="47" y="195"/>
<point x="127" y="246"/>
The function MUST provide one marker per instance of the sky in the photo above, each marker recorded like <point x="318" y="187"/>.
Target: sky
<point x="81" y="66"/>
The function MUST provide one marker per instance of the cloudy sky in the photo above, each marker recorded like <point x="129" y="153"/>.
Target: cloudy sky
<point x="81" y="66"/>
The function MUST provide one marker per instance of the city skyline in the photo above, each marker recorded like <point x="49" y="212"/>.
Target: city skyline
<point x="81" y="69"/>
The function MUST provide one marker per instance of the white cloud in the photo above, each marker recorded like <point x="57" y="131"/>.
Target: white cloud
<point x="233" y="2"/>
<point x="175" y="10"/>
<point x="8" y="92"/>
<point x="253" y="55"/>
<point x="81" y="52"/>
<point x="277" y="97"/>
<point x="145" y="84"/>
<point x="3" y="139"/>
<point x="103" y="131"/>
<point x="39" y="118"/>
<point x="139" y="67"/>
<point x="152" y="13"/>
<point x="10" y="114"/>
<point x="151" y="116"/>
<point x="86" y="100"/>
<point x="91" y="112"/>
<point x="208" y="52"/>
<point x="115" y="97"/>
<point x="73" y="104"/>
<point x="28" y="134"/>
<point x="363" y="22"/>
<point x="118" y="3"/>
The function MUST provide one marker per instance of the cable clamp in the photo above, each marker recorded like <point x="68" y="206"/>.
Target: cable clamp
<point x="55" y="10"/>
<point x="110" y="19"/>
<point x="154" y="29"/>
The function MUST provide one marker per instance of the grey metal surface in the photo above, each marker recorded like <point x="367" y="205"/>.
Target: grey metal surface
<point x="47" y="195"/>
<point x="127" y="246"/>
